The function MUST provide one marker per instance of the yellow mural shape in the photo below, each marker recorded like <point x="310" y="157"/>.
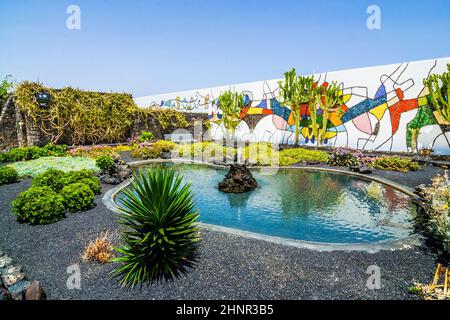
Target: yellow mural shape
<point x="379" y="111"/>
<point x="346" y="98"/>
<point x="335" y="118"/>
<point x="291" y="119"/>
<point x="253" y="110"/>
<point x="423" y="101"/>
<point x="307" y="133"/>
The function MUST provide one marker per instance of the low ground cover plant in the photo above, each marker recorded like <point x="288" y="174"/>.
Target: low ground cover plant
<point x="97" y="151"/>
<point x="395" y="164"/>
<point x="147" y="150"/>
<point x="8" y="175"/>
<point x="34" y="167"/>
<point x="32" y="153"/>
<point x="160" y="235"/>
<point x="291" y="156"/>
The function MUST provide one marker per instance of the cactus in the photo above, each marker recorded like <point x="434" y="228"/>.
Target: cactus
<point x="295" y="91"/>
<point x="231" y="104"/>
<point x="439" y="91"/>
<point x="328" y="97"/>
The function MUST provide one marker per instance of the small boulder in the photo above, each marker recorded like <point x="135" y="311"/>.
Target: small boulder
<point x="238" y="180"/>
<point x="5" y="261"/>
<point x="12" y="275"/>
<point x="35" y="292"/>
<point x="365" y="170"/>
<point x="4" y="294"/>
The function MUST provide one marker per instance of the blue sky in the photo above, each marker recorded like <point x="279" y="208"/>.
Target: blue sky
<point x="150" y="47"/>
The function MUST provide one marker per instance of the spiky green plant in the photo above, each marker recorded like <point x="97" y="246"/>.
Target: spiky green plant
<point x="160" y="234"/>
<point x="231" y="104"/>
<point x="439" y="88"/>
<point x="295" y="91"/>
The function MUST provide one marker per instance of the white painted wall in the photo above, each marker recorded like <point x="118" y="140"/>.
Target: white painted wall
<point x="357" y="132"/>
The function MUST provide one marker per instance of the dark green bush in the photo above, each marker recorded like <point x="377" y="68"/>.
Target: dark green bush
<point x="52" y="178"/>
<point x="56" y="150"/>
<point x="146" y="136"/>
<point x="160" y="233"/>
<point x="38" y="205"/>
<point x="105" y="163"/>
<point x="8" y="175"/>
<point x="75" y="176"/>
<point x="395" y="164"/>
<point x="83" y="176"/>
<point x="32" y="153"/>
<point x="93" y="183"/>
<point x="78" y="197"/>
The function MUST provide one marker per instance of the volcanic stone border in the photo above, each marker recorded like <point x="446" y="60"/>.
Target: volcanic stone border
<point x="405" y="243"/>
<point x="13" y="281"/>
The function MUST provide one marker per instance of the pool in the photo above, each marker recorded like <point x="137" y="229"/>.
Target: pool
<point x="303" y="205"/>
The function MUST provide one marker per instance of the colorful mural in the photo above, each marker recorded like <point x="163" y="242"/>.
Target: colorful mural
<point x="385" y="108"/>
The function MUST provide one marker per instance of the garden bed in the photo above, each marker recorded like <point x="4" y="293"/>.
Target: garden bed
<point x="230" y="266"/>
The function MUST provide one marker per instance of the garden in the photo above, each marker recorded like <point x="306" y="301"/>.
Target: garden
<point x="105" y="197"/>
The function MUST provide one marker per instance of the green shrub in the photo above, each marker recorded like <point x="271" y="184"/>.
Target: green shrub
<point x="343" y="157"/>
<point x="32" y="153"/>
<point x="51" y="178"/>
<point x="93" y="183"/>
<point x="146" y="136"/>
<point x="160" y="233"/>
<point x="8" y="175"/>
<point x="38" y="205"/>
<point x="56" y="150"/>
<point x="395" y="164"/>
<point x="164" y="146"/>
<point x="75" y="176"/>
<point x="105" y="163"/>
<point x="289" y="157"/>
<point x="78" y="197"/>
<point x="145" y="153"/>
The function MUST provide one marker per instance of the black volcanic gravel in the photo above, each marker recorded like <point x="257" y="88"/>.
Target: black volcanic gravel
<point x="230" y="267"/>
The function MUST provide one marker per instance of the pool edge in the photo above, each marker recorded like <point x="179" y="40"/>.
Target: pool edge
<point x="404" y="243"/>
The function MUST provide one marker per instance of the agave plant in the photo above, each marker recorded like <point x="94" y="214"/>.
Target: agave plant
<point x="160" y="234"/>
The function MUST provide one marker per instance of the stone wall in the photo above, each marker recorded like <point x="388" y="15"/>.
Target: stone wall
<point x="158" y="131"/>
<point x="8" y="125"/>
<point x="17" y="129"/>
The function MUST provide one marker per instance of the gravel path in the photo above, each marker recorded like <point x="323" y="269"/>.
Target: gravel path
<point x="230" y="267"/>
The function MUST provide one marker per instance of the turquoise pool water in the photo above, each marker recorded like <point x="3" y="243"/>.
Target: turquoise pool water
<point x="303" y="205"/>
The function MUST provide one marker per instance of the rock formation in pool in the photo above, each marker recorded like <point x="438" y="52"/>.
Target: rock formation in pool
<point x="238" y="180"/>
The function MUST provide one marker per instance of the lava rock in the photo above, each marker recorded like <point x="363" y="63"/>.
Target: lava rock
<point x="166" y="155"/>
<point x="365" y="170"/>
<point x="361" y="169"/>
<point x="12" y="276"/>
<point x="17" y="291"/>
<point x="5" y="261"/>
<point x="118" y="174"/>
<point x="238" y="180"/>
<point x="35" y="292"/>
<point x="4" y="294"/>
